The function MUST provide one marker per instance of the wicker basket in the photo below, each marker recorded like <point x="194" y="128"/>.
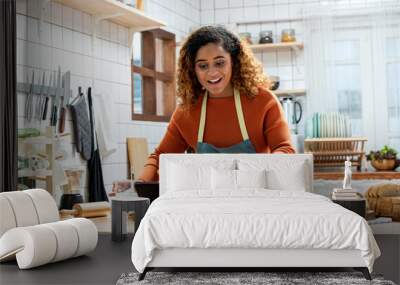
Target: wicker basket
<point x="333" y="152"/>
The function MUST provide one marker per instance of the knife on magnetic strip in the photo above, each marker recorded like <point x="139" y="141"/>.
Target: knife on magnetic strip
<point x="67" y="95"/>
<point x="46" y="102"/>
<point x="56" y="103"/>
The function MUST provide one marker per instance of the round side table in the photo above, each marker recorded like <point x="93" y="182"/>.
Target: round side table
<point x="119" y="215"/>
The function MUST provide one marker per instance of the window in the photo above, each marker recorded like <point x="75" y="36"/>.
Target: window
<point x="153" y="76"/>
<point x="353" y="67"/>
<point x="368" y="88"/>
<point x="393" y="88"/>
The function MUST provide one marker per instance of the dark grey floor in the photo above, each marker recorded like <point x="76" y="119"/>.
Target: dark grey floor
<point x="102" y="266"/>
<point x="110" y="259"/>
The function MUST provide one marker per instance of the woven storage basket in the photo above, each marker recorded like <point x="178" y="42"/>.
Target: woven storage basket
<point x="333" y="152"/>
<point x="396" y="209"/>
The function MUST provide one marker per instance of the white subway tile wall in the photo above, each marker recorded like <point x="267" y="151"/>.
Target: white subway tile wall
<point x="271" y="15"/>
<point x="65" y="39"/>
<point x="276" y="15"/>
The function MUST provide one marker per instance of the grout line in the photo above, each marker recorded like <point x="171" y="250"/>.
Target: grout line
<point x="74" y="30"/>
<point x="74" y="52"/>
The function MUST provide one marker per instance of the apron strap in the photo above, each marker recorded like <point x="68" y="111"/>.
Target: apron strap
<point x="202" y="119"/>
<point x="239" y="113"/>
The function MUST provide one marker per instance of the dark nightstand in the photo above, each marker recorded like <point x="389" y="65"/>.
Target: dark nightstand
<point x="355" y="205"/>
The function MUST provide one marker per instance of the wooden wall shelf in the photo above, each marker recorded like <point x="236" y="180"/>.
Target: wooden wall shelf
<point x="116" y="12"/>
<point x="386" y="175"/>
<point x="277" y="46"/>
<point x="277" y="20"/>
<point x="294" y="92"/>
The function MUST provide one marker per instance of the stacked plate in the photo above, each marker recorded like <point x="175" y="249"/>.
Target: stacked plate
<point x="328" y="125"/>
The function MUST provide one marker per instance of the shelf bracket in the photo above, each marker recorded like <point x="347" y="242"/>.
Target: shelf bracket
<point x="96" y="20"/>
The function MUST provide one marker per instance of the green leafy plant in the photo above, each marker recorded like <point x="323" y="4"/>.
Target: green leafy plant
<point x="385" y="153"/>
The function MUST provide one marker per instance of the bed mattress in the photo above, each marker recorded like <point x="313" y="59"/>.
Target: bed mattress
<point x="250" y="219"/>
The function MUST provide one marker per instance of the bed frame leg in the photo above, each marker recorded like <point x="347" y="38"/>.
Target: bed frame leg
<point x="143" y="274"/>
<point x="364" y="271"/>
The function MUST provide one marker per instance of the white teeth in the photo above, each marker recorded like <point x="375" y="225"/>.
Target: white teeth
<point x="214" y="81"/>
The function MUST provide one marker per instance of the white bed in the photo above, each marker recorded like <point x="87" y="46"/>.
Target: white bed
<point x="241" y="210"/>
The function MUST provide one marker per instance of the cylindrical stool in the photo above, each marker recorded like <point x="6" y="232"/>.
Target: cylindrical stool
<point x="120" y="207"/>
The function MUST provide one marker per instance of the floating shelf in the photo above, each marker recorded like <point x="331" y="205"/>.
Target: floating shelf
<point x="293" y="92"/>
<point x="116" y="12"/>
<point x="277" y="20"/>
<point x="43" y="139"/>
<point x="387" y="175"/>
<point x="33" y="173"/>
<point x="265" y="47"/>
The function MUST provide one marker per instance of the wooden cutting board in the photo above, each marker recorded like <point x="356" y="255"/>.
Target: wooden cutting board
<point x="137" y="154"/>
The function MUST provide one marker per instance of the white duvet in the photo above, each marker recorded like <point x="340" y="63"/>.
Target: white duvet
<point x="252" y="218"/>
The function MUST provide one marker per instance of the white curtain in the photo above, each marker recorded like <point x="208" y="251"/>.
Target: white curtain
<point x="352" y="65"/>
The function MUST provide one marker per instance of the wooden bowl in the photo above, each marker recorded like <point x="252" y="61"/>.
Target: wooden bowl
<point x="385" y="164"/>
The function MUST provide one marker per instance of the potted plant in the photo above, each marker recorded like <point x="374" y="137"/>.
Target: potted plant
<point x="384" y="159"/>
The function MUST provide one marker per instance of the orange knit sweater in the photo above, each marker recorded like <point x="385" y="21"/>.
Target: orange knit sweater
<point x="265" y="122"/>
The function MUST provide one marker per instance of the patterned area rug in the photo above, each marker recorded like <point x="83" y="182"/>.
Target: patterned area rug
<point x="269" y="278"/>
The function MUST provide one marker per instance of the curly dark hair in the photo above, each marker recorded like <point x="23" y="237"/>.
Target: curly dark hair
<point x="247" y="72"/>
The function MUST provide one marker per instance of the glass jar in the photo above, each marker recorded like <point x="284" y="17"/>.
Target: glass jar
<point x="288" y="35"/>
<point x="246" y="37"/>
<point x="266" y="37"/>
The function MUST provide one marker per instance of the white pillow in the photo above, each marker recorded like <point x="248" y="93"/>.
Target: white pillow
<point x="292" y="179"/>
<point x="235" y="179"/>
<point x="281" y="173"/>
<point x="184" y="177"/>
<point x="189" y="174"/>
<point x="251" y="178"/>
<point x="223" y="179"/>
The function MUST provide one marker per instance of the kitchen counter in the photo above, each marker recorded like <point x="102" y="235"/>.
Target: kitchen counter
<point x="362" y="175"/>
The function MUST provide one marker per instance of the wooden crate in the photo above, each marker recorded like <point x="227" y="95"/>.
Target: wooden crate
<point x="333" y="152"/>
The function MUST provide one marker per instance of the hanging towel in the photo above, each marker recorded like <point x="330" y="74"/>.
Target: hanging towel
<point x="97" y="191"/>
<point x="103" y="126"/>
<point x="81" y="126"/>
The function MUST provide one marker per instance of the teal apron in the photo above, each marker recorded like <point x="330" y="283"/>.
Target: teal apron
<point x="244" y="147"/>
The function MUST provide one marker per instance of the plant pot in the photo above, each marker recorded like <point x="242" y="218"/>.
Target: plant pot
<point x="385" y="164"/>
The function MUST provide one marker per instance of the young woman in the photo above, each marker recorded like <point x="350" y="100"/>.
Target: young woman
<point x="224" y="102"/>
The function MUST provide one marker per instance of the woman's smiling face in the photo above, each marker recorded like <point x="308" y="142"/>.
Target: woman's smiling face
<point x="213" y="66"/>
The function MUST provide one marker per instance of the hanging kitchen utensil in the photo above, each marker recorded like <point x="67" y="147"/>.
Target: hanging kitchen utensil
<point x="29" y="100"/>
<point x="67" y="95"/>
<point x="47" y="98"/>
<point x="56" y="103"/>
<point x="40" y="99"/>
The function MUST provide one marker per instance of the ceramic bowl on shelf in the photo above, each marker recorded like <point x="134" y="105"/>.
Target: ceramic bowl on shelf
<point x="384" y="164"/>
<point x="274" y="82"/>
